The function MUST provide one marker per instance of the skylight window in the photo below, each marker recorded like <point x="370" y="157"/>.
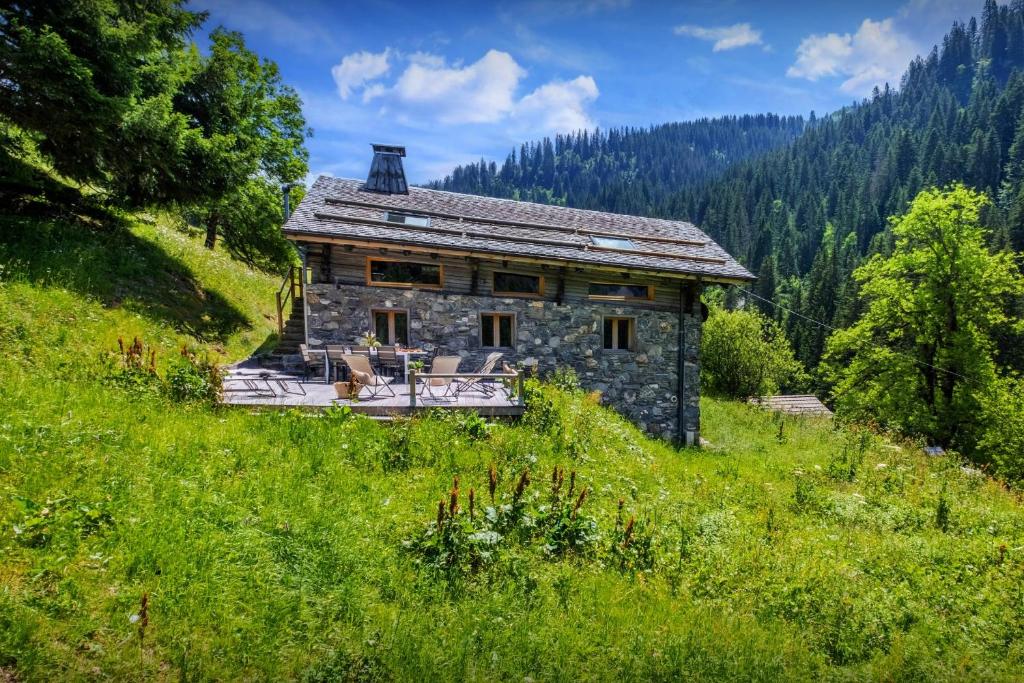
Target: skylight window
<point x="407" y="219"/>
<point x="613" y="242"/>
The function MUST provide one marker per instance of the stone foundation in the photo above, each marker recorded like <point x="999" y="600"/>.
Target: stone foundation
<point x="643" y="385"/>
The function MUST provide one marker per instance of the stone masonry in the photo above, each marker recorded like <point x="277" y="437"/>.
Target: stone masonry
<point x="642" y="384"/>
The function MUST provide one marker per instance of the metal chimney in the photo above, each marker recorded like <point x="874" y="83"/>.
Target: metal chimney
<point x="386" y="172"/>
<point x="286" y="190"/>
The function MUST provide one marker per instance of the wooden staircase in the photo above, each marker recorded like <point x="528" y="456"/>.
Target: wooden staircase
<point x="291" y="330"/>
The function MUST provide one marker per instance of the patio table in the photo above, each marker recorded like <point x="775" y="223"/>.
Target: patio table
<point x="407" y="355"/>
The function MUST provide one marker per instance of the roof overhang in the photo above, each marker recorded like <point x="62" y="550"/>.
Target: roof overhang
<point x="405" y="246"/>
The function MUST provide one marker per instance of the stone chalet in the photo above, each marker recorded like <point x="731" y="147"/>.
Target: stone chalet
<point x="615" y="297"/>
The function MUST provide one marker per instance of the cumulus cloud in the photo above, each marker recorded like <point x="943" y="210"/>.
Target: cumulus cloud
<point x="481" y="92"/>
<point x="877" y="53"/>
<point x="429" y="90"/>
<point x="359" y="68"/>
<point x="723" y="37"/>
<point x="560" y="105"/>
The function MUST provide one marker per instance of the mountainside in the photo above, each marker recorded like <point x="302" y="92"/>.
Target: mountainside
<point x="144" y="537"/>
<point x="804" y="215"/>
<point x="627" y="170"/>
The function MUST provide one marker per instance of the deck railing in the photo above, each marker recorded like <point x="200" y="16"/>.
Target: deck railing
<point x="285" y="294"/>
<point x="516" y="376"/>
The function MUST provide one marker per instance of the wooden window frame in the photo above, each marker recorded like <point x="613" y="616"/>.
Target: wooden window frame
<point x="497" y="292"/>
<point x="630" y="343"/>
<point x="392" y="327"/>
<point x="496" y="329"/>
<point x="370" y="260"/>
<point x="607" y="297"/>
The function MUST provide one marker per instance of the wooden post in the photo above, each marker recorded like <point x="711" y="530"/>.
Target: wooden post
<point x="522" y="392"/>
<point x="412" y="388"/>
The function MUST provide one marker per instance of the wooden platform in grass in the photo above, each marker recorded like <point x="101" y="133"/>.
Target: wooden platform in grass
<point x="260" y="388"/>
<point x="800" y="404"/>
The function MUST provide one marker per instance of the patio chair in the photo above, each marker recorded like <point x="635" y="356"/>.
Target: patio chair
<point x="312" y="362"/>
<point x="388" y="361"/>
<point x="442" y="365"/>
<point x="477" y="383"/>
<point x="364" y="374"/>
<point x="334" y="356"/>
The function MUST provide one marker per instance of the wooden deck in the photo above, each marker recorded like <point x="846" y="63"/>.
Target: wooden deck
<point x="262" y="388"/>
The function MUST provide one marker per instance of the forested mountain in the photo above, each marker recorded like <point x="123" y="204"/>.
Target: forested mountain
<point x="626" y="170"/>
<point x="804" y="215"/>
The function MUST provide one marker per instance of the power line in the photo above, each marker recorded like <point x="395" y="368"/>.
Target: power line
<point x="836" y="329"/>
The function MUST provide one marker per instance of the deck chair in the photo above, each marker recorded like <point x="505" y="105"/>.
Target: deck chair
<point x="476" y="383"/>
<point x="443" y="365"/>
<point x="364" y="374"/>
<point x="311" y="361"/>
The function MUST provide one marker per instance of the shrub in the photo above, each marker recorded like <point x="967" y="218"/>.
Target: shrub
<point x="745" y="354"/>
<point x="134" y="366"/>
<point x="565" y="378"/>
<point x="193" y="378"/>
<point x="1002" y="439"/>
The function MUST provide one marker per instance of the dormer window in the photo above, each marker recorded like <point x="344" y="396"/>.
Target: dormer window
<point x="407" y="219"/>
<point x="612" y="242"/>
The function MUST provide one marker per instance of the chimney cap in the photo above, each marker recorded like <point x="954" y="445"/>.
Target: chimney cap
<point x="386" y="173"/>
<point x="388" y="149"/>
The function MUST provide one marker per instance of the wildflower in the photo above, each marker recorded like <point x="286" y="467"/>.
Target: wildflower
<point x="572" y="483"/>
<point x="627" y="536"/>
<point x="453" y="501"/>
<point x="440" y="513"/>
<point x="143" y="615"/>
<point x="524" y="481"/>
<point x="472" y="500"/>
<point x="579" y="502"/>
<point x="492" y="480"/>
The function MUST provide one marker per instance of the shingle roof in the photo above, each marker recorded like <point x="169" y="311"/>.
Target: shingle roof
<point x="345" y="210"/>
<point x="796" y="404"/>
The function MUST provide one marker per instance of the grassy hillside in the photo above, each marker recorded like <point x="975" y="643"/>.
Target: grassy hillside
<point x="292" y="545"/>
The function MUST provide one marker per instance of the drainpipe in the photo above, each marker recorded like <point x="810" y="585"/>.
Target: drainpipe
<point x="681" y="356"/>
<point x="302" y="290"/>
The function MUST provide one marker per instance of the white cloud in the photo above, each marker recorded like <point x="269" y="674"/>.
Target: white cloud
<point x="482" y="92"/>
<point x="559" y="105"/>
<point x="429" y="91"/>
<point x="359" y="68"/>
<point x="877" y="53"/>
<point x="724" y="37"/>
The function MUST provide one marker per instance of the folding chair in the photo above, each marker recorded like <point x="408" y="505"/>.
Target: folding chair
<point x="477" y="383"/>
<point x="442" y="365"/>
<point x="364" y="374"/>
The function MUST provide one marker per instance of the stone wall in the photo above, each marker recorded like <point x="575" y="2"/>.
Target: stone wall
<point x="641" y="384"/>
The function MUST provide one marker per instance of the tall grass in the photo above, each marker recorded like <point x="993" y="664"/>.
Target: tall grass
<point x="274" y="545"/>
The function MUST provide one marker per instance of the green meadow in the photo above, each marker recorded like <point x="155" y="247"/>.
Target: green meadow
<point x="147" y="538"/>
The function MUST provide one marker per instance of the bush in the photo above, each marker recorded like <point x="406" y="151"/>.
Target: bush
<point x="1002" y="437"/>
<point x="745" y="354"/>
<point x="193" y="378"/>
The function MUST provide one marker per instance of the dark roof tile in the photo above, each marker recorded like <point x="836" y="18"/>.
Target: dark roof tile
<point x="345" y="210"/>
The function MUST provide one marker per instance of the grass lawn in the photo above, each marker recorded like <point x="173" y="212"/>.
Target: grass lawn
<point x="279" y="545"/>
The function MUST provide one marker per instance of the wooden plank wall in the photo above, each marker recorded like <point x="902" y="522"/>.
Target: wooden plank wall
<point x="343" y="266"/>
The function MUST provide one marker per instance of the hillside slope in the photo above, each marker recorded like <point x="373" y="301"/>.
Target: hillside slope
<point x="802" y="215"/>
<point x="286" y="545"/>
<point x="625" y="170"/>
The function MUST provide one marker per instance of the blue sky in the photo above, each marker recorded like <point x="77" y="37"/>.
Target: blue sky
<point x="457" y="81"/>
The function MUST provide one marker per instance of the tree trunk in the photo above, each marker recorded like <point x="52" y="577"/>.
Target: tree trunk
<point x="211" y="232"/>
